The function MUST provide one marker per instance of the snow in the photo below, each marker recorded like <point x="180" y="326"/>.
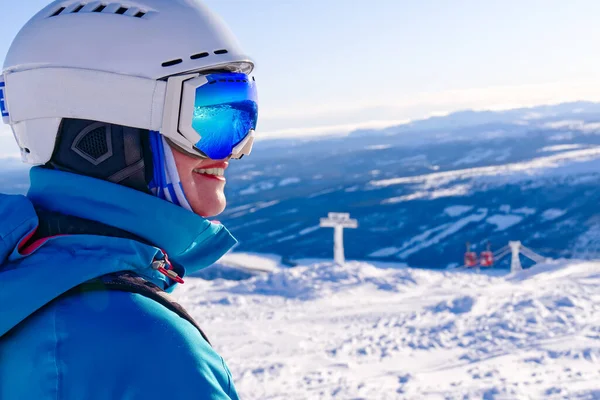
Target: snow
<point x="532" y="116"/>
<point x="385" y="252"/>
<point x="560" y="147"/>
<point x="475" y="156"/>
<point x="567" y="160"/>
<point x="287" y="238"/>
<point x="258" y="187"/>
<point x="503" y="154"/>
<point x="503" y="222"/>
<point x="322" y="331"/>
<point x="275" y="233"/>
<point x="552" y="214"/>
<point x="505" y="208"/>
<point x="311" y="229"/>
<point x="263" y="204"/>
<point x="259" y="262"/>
<point x="455" y="211"/>
<point x="289" y="181"/>
<point x="378" y="147"/>
<point x="587" y="245"/>
<point x="568" y="124"/>
<point x="525" y="211"/>
<point x="575" y="125"/>
<point x="454" y="191"/>
<point x="322" y="193"/>
<point x="426" y="239"/>
<point x="562" y="136"/>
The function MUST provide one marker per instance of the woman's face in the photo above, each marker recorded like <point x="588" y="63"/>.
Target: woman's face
<point x="203" y="183"/>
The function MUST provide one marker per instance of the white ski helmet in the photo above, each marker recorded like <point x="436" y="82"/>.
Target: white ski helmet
<point x="108" y="61"/>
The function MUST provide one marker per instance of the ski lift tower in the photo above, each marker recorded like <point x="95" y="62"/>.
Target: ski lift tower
<point x="515" y="262"/>
<point x="338" y="221"/>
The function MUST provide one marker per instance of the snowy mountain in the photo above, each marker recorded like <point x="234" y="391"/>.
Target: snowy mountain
<point x="359" y="331"/>
<point x="421" y="190"/>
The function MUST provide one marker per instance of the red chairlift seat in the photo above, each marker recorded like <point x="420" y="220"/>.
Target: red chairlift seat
<point x="487" y="258"/>
<point x="470" y="259"/>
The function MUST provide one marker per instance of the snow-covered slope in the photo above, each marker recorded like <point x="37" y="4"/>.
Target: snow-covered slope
<point x="360" y="332"/>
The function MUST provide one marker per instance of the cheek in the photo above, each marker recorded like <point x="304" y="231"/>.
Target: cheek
<point x="206" y="196"/>
<point x="185" y="168"/>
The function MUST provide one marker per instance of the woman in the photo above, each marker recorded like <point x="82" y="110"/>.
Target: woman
<point x="131" y="113"/>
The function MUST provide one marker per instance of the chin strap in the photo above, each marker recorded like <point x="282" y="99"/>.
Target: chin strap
<point x="166" y="183"/>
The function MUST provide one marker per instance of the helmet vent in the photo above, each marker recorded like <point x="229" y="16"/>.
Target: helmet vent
<point x="94" y="143"/>
<point x="113" y="8"/>
<point x="172" y="62"/>
<point x="223" y="51"/>
<point x="57" y="12"/>
<point x="199" y="55"/>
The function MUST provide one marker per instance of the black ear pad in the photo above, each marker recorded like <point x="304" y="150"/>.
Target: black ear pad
<point x="104" y="151"/>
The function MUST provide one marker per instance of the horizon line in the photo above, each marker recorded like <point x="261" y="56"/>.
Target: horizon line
<point x="333" y="130"/>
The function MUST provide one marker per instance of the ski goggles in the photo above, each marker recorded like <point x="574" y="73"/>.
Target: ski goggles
<point x="211" y="116"/>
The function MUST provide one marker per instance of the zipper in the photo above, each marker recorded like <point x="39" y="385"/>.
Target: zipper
<point x="165" y="267"/>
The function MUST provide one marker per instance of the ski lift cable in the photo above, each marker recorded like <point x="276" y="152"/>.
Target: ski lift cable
<point x="535" y="253"/>
<point x="502" y="255"/>
<point x="532" y="257"/>
<point x="536" y="260"/>
<point x="501" y="250"/>
<point x="530" y="249"/>
<point x="531" y="252"/>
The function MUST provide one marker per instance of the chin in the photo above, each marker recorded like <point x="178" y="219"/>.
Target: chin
<point x="209" y="208"/>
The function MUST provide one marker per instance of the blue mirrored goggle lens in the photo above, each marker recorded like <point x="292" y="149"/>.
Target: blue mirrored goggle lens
<point x="225" y="111"/>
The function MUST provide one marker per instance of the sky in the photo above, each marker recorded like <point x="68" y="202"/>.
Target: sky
<point x="336" y="65"/>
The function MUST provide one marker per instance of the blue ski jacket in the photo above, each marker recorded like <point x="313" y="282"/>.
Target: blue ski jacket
<point x="101" y="345"/>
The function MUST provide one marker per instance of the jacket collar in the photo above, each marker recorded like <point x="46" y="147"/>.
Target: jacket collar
<point x="192" y="242"/>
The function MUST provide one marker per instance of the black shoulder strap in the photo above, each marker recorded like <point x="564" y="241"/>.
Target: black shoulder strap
<point x="127" y="281"/>
<point x="52" y="223"/>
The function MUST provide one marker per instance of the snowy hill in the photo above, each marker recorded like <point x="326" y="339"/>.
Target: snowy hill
<point x="359" y="332"/>
<point x="421" y="190"/>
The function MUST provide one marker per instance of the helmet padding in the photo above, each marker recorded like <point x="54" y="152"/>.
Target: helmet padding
<point x="104" y="151"/>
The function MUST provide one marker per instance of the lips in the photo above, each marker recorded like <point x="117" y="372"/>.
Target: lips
<point x="217" y="164"/>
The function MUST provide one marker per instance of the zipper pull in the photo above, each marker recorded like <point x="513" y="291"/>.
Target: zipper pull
<point x="160" y="265"/>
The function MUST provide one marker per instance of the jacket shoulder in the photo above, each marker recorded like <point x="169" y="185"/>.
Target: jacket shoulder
<point x="17" y="219"/>
<point x="112" y="344"/>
